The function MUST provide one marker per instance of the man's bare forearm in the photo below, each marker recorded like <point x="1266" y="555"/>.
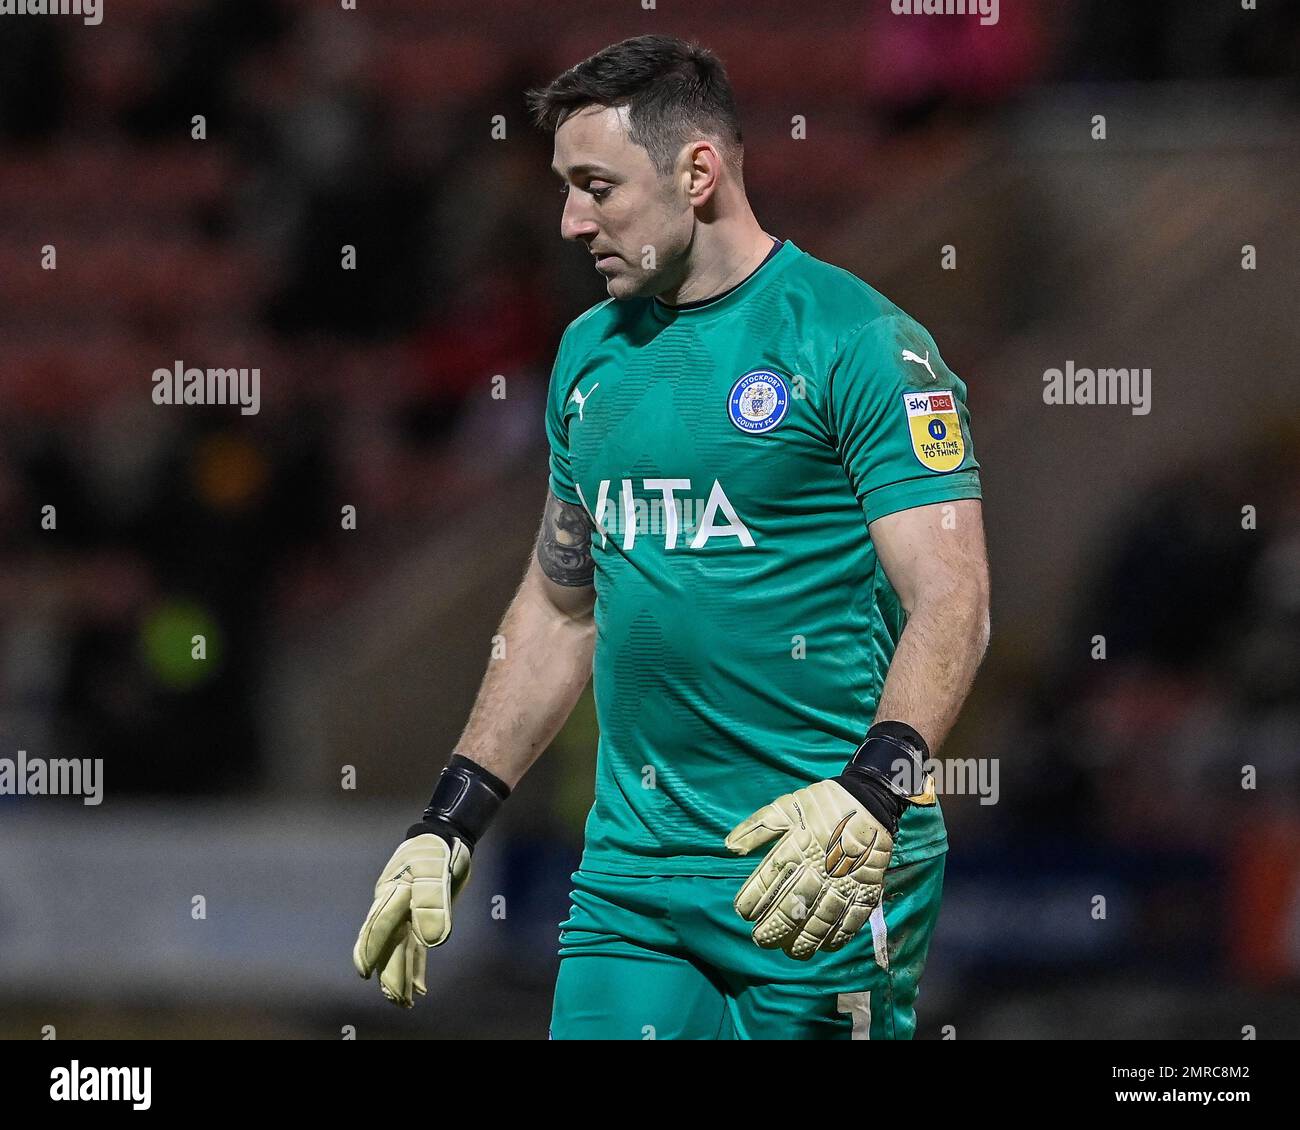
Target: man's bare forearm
<point x="935" y="664"/>
<point x="548" y="638"/>
<point x="529" y="692"/>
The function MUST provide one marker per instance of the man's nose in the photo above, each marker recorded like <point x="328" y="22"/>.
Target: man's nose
<point x="576" y="222"/>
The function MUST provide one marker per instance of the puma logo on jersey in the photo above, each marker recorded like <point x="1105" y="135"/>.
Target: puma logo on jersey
<point x="908" y="355"/>
<point x="581" y="398"/>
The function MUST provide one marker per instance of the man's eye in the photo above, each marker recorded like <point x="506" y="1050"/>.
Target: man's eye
<point x="596" y="193"/>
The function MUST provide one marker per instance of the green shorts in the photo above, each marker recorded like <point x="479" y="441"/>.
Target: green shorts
<point x="668" y="958"/>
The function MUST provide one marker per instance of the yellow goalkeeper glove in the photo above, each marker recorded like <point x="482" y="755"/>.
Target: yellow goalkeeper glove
<point x="413" y="897"/>
<point x="411" y="912"/>
<point x="820" y="882"/>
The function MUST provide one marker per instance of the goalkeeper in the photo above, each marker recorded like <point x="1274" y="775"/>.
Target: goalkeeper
<point x="763" y="542"/>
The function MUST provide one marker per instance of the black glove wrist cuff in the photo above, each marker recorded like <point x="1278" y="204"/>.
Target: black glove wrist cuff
<point x="464" y="801"/>
<point x="868" y="790"/>
<point x="896" y="755"/>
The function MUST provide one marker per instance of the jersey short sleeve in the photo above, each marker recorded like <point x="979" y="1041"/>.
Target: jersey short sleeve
<point x="557" y="430"/>
<point x="899" y="420"/>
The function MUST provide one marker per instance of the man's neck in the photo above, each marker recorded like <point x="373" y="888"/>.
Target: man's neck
<point x="723" y="269"/>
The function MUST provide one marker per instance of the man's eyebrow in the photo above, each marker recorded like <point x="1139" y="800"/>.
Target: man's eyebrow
<point x="574" y="170"/>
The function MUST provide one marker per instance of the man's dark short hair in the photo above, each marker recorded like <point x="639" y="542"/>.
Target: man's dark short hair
<point x="675" y="92"/>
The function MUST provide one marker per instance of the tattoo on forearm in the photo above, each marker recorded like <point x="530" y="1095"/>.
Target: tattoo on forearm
<point x="564" y="544"/>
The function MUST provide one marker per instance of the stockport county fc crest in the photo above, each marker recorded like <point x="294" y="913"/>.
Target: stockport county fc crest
<point x="758" y="401"/>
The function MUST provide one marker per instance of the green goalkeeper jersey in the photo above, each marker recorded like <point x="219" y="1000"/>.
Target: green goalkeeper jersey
<point x="730" y="455"/>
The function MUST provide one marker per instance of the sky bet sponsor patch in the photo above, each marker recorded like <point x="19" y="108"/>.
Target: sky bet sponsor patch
<point x="936" y="430"/>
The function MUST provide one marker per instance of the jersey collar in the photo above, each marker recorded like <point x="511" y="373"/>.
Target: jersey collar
<point x="751" y="284"/>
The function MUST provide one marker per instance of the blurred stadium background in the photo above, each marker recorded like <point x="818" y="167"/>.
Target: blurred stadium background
<point x="330" y="648"/>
